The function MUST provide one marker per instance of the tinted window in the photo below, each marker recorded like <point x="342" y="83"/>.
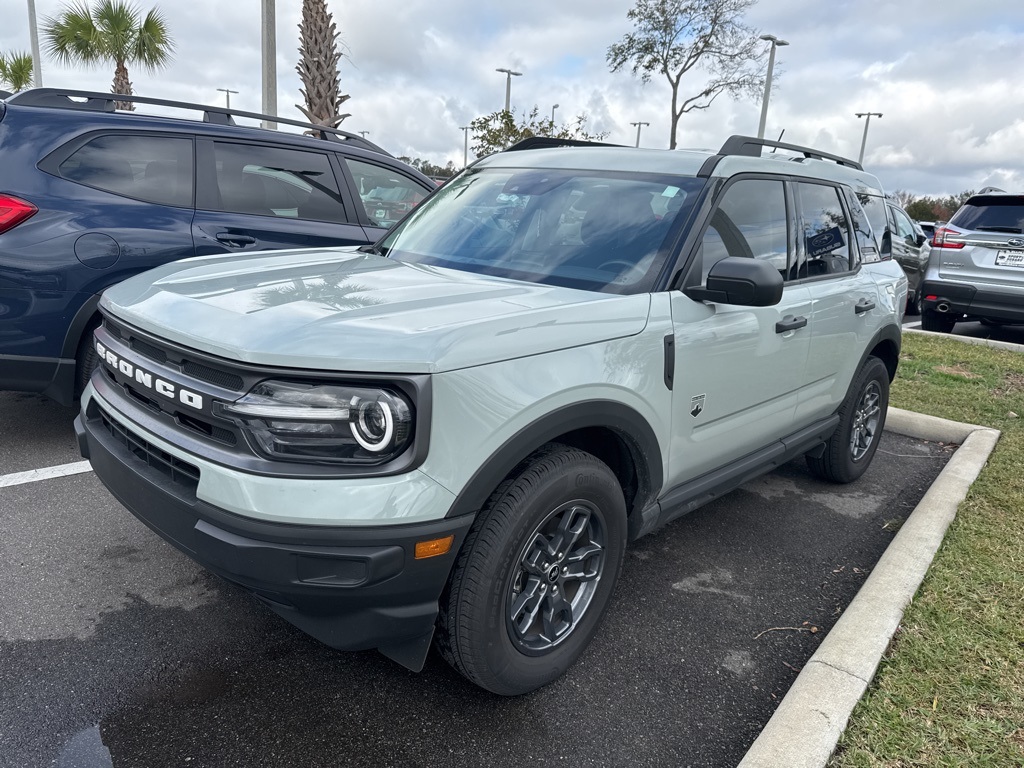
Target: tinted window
<point x="156" y="169"/>
<point x="991" y="214"/>
<point x="867" y="248"/>
<point x="271" y="181"/>
<point x="875" y="208"/>
<point x="387" y="195"/>
<point x="904" y="227"/>
<point x="824" y="231"/>
<point x="749" y="222"/>
<point x="559" y="227"/>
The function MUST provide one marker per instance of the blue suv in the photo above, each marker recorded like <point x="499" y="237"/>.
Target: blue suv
<point x="90" y="196"/>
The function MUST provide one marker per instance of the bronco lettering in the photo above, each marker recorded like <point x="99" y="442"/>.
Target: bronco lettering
<point x="148" y="380"/>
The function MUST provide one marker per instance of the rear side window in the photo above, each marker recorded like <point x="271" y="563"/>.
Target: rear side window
<point x="272" y="181"/>
<point x="825" y="231"/>
<point x="157" y="169"/>
<point x="387" y="195"/>
<point x="991" y="214"/>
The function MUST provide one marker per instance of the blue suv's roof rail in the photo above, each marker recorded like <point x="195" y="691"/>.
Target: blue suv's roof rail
<point x="749" y="146"/>
<point x="59" y="98"/>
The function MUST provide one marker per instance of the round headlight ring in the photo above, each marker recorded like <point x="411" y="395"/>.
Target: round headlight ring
<point x="363" y="433"/>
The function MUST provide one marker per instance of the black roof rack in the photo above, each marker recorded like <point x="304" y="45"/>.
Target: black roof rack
<point x="545" y="142"/>
<point x="749" y="146"/>
<point x="59" y="98"/>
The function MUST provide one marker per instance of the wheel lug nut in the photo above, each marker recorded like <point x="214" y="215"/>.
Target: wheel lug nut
<point x="565" y="569"/>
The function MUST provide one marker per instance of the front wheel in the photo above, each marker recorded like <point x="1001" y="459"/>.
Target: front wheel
<point x="861" y="418"/>
<point x="536" y="573"/>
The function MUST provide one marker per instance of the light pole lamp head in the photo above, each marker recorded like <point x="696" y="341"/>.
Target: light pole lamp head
<point x="774" y="40"/>
<point x="868" y="114"/>
<point x="508" y="72"/>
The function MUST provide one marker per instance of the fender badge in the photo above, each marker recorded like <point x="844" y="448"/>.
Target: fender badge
<point x="697" y="405"/>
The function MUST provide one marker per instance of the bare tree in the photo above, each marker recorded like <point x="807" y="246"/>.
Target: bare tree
<point x="318" y="65"/>
<point x="673" y="37"/>
<point x="902" y="197"/>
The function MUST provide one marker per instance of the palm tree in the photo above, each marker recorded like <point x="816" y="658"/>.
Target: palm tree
<point x="109" y="31"/>
<point x="16" y="70"/>
<point x="318" y="65"/>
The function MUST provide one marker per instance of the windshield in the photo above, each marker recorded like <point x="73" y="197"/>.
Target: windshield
<point x="601" y="232"/>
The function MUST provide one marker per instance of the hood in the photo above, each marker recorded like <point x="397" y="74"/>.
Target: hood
<point x="339" y="309"/>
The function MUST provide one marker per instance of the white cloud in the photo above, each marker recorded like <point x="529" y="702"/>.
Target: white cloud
<point x="947" y="81"/>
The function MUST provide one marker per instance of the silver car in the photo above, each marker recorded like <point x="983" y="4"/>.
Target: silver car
<point x="977" y="270"/>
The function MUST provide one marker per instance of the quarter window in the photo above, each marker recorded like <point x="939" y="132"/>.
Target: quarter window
<point x="750" y="222"/>
<point x="157" y="169"/>
<point x="387" y="196"/>
<point x="824" y="231"/>
<point x="273" y="181"/>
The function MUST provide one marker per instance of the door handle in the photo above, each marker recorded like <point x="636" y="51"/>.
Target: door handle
<point x="864" y="305"/>
<point x="790" y="323"/>
<point x="232" y="239"/>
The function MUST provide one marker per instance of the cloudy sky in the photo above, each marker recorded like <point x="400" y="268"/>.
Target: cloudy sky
<point x="947" y="75"/>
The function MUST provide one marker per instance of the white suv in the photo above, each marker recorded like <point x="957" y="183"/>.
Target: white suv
<point x="453" y="435"/>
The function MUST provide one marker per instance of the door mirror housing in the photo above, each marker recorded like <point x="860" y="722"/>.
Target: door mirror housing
<point x="741" y="281"/>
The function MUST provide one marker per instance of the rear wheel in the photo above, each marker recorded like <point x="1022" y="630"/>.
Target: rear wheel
<point x="940" y="322"/>
<point x="914" y="306"/>
<point x="536" y="574"/>
<point x="861" y="418"/>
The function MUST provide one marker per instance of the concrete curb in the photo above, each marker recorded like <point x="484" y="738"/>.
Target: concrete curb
<point x="805" y="728"/>
<point x="970" y="340"/>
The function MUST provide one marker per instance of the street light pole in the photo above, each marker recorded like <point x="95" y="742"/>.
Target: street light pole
<point x="37" y="61"/>
<point x="465" y="144"/>
<point x="269" y="46"/>
<point x="553" y="108"/>
<point x="638" y="126"/>
<point x="864" y="141"/>
<point x="509" y="74"/>
<point x="363" y="133"/>
<point x="227" y="96"/>
<point x="768" y="81"/>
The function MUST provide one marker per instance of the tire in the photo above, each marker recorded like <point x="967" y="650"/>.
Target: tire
<point x="914" y="306"/>
<point x="849" y="451"/>
<point x="86" y="357"/>
<point x="940" y="322"/>
<point x="519" y="609"/>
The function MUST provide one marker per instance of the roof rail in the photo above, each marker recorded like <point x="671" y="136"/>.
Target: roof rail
<point x="544" y="142"/>
<point x="749" y="146"/>
<point x="59" y="98"/>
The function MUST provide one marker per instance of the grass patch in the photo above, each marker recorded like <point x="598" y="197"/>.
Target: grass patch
<point x="950" y="690"/>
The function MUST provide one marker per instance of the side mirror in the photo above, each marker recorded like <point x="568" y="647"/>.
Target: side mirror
<point x="741" y="281"/>
<point x="921" y="240"/>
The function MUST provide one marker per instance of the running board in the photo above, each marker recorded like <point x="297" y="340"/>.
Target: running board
<point x="695" y="493"/>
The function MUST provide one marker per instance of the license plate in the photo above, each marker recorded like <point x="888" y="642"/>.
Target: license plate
<point x="1009" y="259"/>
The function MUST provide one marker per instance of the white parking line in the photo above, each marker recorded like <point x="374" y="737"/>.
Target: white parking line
<point x="46" y="473"/>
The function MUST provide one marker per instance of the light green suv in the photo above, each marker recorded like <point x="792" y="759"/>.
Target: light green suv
<point x="453" y="435"/>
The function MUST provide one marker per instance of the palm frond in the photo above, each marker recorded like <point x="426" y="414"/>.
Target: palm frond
<point x="71" y="36"/>
<point x="118" y="23"/>
<point x="16" y="70"/>
<point x="153" y="43"/>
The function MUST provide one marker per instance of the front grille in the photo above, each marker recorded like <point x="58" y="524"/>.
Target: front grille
<point x="147" y="349"/>
<point x="212" y="375"/>
<point x="179" y="472"/>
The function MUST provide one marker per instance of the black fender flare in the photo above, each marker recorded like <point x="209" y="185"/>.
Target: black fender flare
<point x="891" y="333"/>
<point x="624" y="421"/>
<point x="89" y="309"/>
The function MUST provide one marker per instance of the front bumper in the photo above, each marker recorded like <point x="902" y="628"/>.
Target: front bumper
<point x="353" y="588"/>
<point x="963" y="299"/>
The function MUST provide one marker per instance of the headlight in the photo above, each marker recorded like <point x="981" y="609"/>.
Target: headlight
<point x="323" y="423"/>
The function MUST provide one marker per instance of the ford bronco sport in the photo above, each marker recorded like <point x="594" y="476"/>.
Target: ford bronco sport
<point x="452" y="435"/>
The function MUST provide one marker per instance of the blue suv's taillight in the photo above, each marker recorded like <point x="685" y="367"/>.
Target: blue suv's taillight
<point x="14" y="211"/>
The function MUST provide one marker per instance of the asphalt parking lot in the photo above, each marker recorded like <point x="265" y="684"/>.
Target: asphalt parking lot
<point x="115" y="650"/>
